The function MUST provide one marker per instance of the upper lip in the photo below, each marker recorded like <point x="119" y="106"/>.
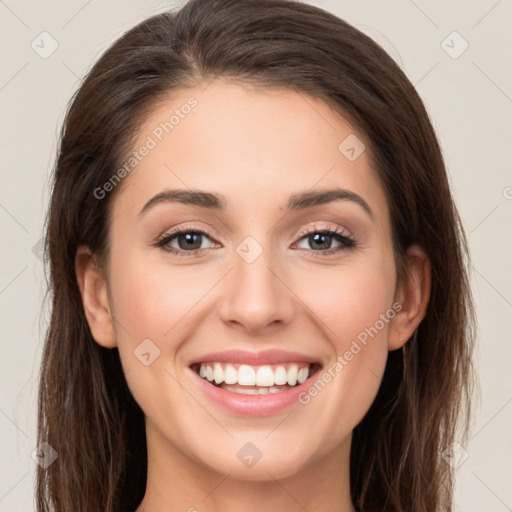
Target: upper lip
<point x="255" y="358"/>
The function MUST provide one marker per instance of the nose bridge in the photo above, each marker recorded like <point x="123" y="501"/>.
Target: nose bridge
<point x="255" y="295"/>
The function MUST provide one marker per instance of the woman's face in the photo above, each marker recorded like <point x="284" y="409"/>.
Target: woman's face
<point x="264" y="295"/>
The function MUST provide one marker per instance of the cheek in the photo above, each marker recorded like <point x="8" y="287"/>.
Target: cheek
<point x="152" y="310"/>
<point x="151" y="301"/>
<point x="348" y="299"/>
<point x="157" y="309"/>
<point x="355" y="308"/>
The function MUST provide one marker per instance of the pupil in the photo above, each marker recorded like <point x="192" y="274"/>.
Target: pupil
<point x="321" y="236"/>
<point x="190" y="239"/>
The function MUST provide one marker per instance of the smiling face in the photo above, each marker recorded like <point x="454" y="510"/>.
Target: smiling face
<point x="255" y="293"/>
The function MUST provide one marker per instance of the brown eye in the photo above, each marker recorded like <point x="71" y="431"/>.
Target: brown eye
<point x="183" y="241"/>
<point x="321" y="241"/>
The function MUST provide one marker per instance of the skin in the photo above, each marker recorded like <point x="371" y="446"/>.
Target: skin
<point x="256" y="147"/>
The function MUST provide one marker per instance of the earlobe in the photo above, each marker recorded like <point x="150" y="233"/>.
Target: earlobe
<point x="93" y="290"/>
<point x="413" y="295"/>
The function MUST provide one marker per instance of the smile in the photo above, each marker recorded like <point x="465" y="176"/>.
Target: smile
<point x="255" y="380"/>
<point x="254" y="383"/>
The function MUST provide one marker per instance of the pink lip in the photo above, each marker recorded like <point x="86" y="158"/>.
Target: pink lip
<point x="255" y="358"/>
<point x="252" y="405"/>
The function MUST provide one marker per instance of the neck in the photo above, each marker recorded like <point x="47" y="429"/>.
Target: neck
<point x="177" y="483"/>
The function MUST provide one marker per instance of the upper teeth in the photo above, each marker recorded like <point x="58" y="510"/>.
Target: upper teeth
<point x="246" y="375"/>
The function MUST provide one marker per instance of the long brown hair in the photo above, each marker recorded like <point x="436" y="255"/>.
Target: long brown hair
<point x="86" y="411"/>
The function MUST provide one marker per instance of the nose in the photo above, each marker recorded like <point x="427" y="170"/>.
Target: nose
<point x="257" y="295"/>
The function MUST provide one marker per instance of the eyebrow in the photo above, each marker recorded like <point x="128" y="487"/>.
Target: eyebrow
<point x="297" y="201"/>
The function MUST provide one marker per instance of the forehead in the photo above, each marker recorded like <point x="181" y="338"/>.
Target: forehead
<point x="254" y="146"/>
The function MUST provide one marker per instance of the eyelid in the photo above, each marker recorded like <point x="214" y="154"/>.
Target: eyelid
<point x="341" y="230"/>
<point x="187" y="228"/>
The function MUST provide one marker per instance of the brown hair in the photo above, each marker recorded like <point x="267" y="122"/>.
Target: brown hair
<point x="86" y="411"/>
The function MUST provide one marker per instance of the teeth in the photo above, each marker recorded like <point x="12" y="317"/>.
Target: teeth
<point x="246" y="375"/>
<point x="251" y="392"/>
<point x="218" y="373"/>
<point x="292" y="375"/>
<point x="266" y="377"/>
<point x="280" y="376"/>
<point x="230" y="374"/>
<point x="302" y="375"/>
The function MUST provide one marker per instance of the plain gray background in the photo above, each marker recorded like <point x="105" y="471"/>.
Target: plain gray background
<point x="467" y="91"/>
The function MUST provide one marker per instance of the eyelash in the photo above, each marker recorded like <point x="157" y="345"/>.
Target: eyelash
<point x="346" y="241"/>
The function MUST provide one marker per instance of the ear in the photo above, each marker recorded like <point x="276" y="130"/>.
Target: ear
<point x="413" y="294"/>
<point x="93" y="289"/>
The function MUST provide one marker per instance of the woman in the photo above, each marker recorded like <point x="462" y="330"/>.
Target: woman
<point x="259" y="277"/>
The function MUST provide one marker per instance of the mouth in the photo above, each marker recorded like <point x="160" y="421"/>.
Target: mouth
<point x="247" y="379"/>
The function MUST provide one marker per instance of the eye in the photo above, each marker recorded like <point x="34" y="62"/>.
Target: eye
<point x="321" y="241"/>
<point x="183" y="241"/>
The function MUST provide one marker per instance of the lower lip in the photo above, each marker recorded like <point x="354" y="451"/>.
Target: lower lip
<point x="252" y="405"/>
